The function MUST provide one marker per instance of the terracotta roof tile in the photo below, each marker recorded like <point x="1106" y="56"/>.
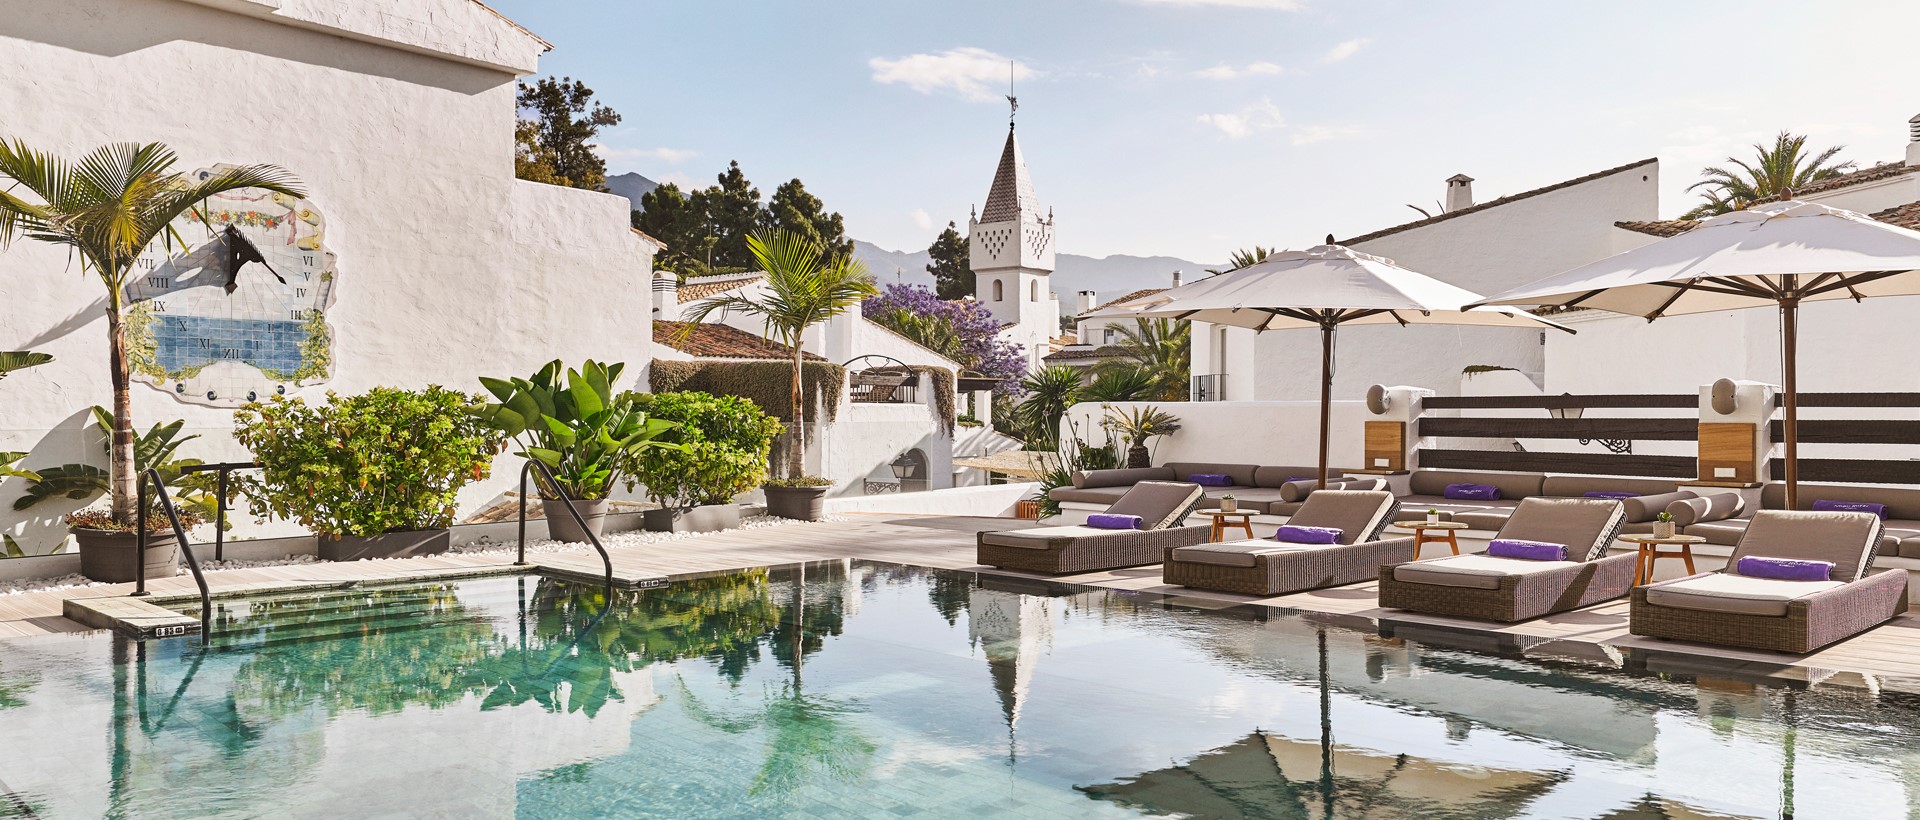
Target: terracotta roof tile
<point x="1905" y="216"/>
<point x="718" y="341"/>
<point x="1657" y="227"/>
<point x="1106" y="352"/>
<point x="1495" y="203"/>
<point x="1885" y="170"/>
<point x="1138" y="294"/>
<point x="696" y="291"/>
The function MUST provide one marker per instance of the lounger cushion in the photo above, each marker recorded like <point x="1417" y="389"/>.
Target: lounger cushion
<point x="1513" y="486"/>
<point x="1720" y="592"/>
<point x="1255" y="499"/>
<point x="1240" y="553"/>
<point x="1037" y="538"/>
<point x="1358" y="514"/>
<point x="1905" y="536"/>
<point x="1089" y="495"/>
<point x="1722" y="533"/>
<point x="1087" y="479"/>
<point x="1471" y="571"/>
<point x="1490" y="520"/>
<point x="1276" y="476"/>
<point x="1577" y="486"/>
<point x="1901" y="502"/>
<point x="1159" y="504"/>
<point x="1848" y="539"/>
<point x="1242" y="474"/>
<point x="1414" y="507"/>
<point x="1586" y="525"/>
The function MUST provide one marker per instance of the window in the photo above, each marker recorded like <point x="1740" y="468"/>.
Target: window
<point x="1033" y="291"/>
<point x="996" y="290"/>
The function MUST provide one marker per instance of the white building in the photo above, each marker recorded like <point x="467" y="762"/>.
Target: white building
<point x="398" y="119"/>
<point x="1010" y="247"/>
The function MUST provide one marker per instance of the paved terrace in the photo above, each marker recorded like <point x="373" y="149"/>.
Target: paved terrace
<point x="1889" y="655"/>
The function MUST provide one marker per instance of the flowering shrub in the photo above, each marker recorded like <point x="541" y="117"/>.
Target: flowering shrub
<point x="963" y="331"/>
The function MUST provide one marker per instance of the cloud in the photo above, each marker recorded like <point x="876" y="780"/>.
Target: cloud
<point x="680" y="180"/>
<point x="1345" y="50"/>
<point x="1277" y="5"/>
<point x="1310" y="134"/>
<point x="1260" y="116"/>
<point x="975" y="74"/>
<point x="1224" y="71"/>
<point x="671" y="155"/>
<point x="921" y="218"/>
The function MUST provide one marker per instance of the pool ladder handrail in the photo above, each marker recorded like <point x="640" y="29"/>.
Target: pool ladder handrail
<point x="526" y="472"/>
<point x="150" y="477"/>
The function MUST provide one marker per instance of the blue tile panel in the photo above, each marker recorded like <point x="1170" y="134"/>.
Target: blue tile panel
<point x="188" y="341"/>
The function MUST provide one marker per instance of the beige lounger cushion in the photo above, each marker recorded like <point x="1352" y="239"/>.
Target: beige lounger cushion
<point x="1720" y="592"/>
<point x="1359" y="515"/>
<point x="1472" y="571"/>
<point x="1240" y="553"/>
<point x="1848" y="539"/>
<point x="1160" y="504"/>
<point x="1586" y="525"/>
<point x="1037" y="537"/>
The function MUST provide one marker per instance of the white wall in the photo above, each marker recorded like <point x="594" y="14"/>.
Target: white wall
<point x="1243" y="432"/>
<point x="449" y="267"/>
<point x="862" y="442"/>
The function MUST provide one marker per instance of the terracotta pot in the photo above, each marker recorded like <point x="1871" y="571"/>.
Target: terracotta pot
<point x="562" y="527"/>
<point x="113" y="557"/>
<point x="385" y="545"/>
<point x="797" y="503"/>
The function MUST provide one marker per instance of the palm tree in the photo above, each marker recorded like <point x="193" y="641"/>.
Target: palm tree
<point x="11" y="360"/>
<point x="106" y="209"/>
<point x="1161" y="347"/>
<point x="1242" y="258"/>
<point x="1774" y="172"/>
<point x="1120" y="384"/>
<point x="1050" y="391"/>
<point x="1137" y="425"/>
<point x="805" y="287"/>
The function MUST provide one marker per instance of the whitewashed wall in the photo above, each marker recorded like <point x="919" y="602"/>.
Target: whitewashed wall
<point x="449" y="267"/>
<point x="1241" y="432"/>
<point x="864" y="439"/>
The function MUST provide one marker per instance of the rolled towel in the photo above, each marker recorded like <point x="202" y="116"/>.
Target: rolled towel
<point x="1110" y="521"/>
<point x="1308" y="535"/>
<point x="1211" y="479"/>
<point x="1784" y="569"/>
<point x="1472" y="492"/>
<point x="1851" y="506"/>
<point x="1526" y="550"/>
<point x="1616" y="495"/>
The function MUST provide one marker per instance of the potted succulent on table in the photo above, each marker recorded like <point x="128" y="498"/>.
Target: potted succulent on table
<point x="374" y="475"/>
<point x="1229" y="504"/>
<point x="1663" y="525"/>
<point x="801" y="499"/>
<point x="722" y="443"/>
<point x="1433" y="516"/>
<point x="590" y="437"/>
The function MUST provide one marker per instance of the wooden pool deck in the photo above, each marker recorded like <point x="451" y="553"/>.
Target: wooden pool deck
<point x="1890" y="654"/>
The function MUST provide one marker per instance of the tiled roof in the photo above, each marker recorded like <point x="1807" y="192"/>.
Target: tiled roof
<point x="1905" y="216"/>
<point x="649" y="237"/>
<point x="1106" y="352"/>
<point x="1012" y="193"/>
<point x="696" y="291"/>
<point x="1885" y="170"/>
<point x="1657" y="227"/>
<point x="1138" y="294"/>
<point x="1495" y="203"/>
<point x="717" y="341"/>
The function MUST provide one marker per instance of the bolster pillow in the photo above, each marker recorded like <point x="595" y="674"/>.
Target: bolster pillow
<point x="1644" y="508"/>
<point x="1121" y="477"/>
<point x="1715" y="507"/>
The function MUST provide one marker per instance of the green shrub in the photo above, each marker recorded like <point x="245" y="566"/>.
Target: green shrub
<point x="723" y="446"/>
<point x="768" y="384"/>
<point x="387" y="460"/>
<point x="803" y="481"/>
<point x="588" y="435"/>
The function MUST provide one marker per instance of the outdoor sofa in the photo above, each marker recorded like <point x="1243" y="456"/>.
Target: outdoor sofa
<point x="1163" y="507"/>
<point x="1733" y="609"/>
<point x="1427" y="487"/>
<point x="1511" y="589"/>
<point x="1263" y="566"/>
<point x="1902" y="531"/>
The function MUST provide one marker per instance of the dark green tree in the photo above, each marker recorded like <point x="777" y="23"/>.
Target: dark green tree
<point x="676" y="219"/>
<point x="733" y="214"/>
<point x="793" y="209"/>
<point x="952" y="279"/>
<point x="566" y="119"/>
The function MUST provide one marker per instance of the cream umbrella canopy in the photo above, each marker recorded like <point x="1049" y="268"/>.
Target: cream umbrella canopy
<point x="1322" y="287"/>
<point x="1781" y="253"/>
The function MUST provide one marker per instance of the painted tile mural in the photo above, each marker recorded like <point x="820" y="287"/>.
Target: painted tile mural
<point x="191" y="337"/>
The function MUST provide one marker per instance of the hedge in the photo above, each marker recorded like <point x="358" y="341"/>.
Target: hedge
<point x="767" y="384"/>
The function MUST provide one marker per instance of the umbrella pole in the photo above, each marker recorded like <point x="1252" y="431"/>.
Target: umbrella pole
<point x="1790" y="395"/>
<point x="1326" y="396"/>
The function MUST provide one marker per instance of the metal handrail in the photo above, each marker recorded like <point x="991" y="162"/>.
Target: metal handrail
<point x="150" y="475"/>
<point x="554" y="483"/>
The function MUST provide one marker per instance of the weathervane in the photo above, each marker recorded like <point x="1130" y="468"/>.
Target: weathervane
<point x="1013" y="103"/>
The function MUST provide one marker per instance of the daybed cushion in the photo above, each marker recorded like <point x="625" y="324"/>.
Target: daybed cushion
<point x="1087" y="479"/>
<point x="1090" y="495"/>
<point x="1242" y="474"/>
<point x="1414" y="507"/>
<point x="1489" y="519"/>
<point x="1036" y="538"/>
<point x="1271" y="476"/>
<point x="1739" y="595"/>
<point x="1901" y="502"/>
<point x="1256" y="499"/>
<point x="1471" y="571"/>
<point x="1160" y="504"/>
<point x="1722" y="533"/>
<point x="1577" y="486"/>
<point x="1240" y="553"/>
<point x="1513" y="486"/>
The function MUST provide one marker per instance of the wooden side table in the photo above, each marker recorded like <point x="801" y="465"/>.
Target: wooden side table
<point x="1241" y="519"/>
<point x="1443" y="532"/>
<point x="1650" y="551"/>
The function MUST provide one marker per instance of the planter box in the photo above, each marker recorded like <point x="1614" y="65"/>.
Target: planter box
<point x="706" y="518"/>
<point x="797" y="503"/>
<point x="114" y="557"/>
<point x="385" y="545"/>
<point x="562" y="527"/>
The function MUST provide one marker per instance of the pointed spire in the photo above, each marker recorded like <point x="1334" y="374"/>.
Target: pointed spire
<point x="1011" y="198"/>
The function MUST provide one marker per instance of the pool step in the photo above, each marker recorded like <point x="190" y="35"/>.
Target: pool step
<point x="132" y="616"/>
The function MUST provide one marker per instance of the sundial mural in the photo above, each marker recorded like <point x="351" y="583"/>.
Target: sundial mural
<point x="239" y="312"/>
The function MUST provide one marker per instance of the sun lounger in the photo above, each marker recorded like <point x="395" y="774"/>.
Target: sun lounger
<point x="1163" y="507"/>
<point x="1512" y="589"/>
<point x="1264" y="566"/>
<point x="1735" y="609"/>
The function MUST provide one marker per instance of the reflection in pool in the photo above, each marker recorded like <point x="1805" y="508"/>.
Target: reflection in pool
<point x="863" y="689"/>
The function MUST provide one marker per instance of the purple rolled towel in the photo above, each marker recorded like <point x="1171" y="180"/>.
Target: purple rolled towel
<point x="1851" y="506"/>
<point x="1472" y="492"/>
<point x="1610" y="494"/>
<point x="1785" y="569"/>
<point x="1308" y="535"/>
<point x="1211" y="479"/>
<point x="1109" y="521"/>
<point x="1526" y="550"/>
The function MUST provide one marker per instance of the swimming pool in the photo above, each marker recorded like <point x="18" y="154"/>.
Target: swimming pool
<point x="870" y="689"/>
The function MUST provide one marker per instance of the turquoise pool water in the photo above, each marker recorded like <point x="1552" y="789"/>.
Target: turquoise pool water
<point x="876" y="690"/>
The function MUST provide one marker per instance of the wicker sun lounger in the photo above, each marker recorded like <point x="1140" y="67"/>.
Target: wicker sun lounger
<point x="1268" y="567"/>
<point x="1508" y="589"/>
<point x="1163" y="506"/>
<point x="1730" y="609"/>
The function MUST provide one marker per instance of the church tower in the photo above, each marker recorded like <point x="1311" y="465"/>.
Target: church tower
<point x="1010" y="249"/>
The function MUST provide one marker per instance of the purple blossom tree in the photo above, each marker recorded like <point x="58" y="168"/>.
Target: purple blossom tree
<point x="960" y="330"/>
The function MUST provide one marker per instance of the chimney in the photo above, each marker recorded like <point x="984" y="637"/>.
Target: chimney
<point x="1176" y="279"/>
<point x="1088" y="301"/>
<point x="1913" y="141"/>
<point x="666" y="296"/>
<point x="1459" y="192"/>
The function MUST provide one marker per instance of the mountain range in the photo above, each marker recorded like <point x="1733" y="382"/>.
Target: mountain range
<point x="1110" y="277"/>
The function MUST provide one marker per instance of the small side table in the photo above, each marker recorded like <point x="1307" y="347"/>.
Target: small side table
<point x="1443" y="532"/>
<point x="1222" y="521"/>
<point x="1650" y="551"/>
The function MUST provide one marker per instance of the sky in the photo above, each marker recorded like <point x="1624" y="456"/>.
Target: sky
<point x="1190" y="128"/>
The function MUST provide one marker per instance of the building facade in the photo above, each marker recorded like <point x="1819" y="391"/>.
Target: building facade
<point x="1010" y="247"/>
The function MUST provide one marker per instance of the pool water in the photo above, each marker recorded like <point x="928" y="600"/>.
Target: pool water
<point x="877" y="690"/>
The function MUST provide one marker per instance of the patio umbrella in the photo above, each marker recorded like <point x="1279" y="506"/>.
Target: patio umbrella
<point x="1781" y="253"/>
<point x="1322" y="287"/>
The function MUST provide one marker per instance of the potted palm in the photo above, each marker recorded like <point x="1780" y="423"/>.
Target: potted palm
<point x="590" y="437"/>
<point x="1139" y="424"/>
<point x="106" y="209"/>
<point x="805" y="286"/>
